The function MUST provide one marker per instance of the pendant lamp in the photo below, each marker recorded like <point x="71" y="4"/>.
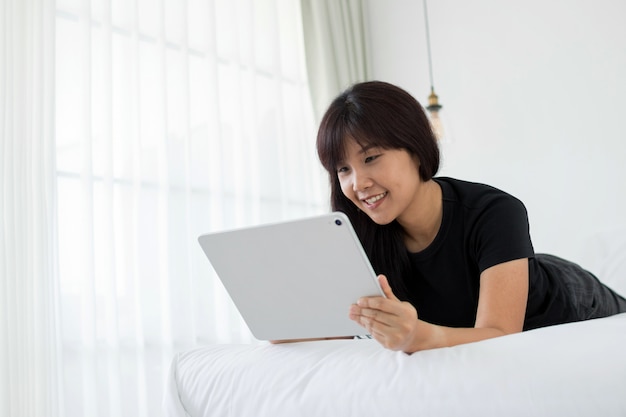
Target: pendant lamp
<point x="434" y="108"/>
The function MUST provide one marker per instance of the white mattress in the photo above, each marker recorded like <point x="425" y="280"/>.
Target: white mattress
<point x="576" y="369"/>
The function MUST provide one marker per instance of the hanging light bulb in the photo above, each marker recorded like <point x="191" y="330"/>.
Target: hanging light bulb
<point x="434" y="108"/>
<point x="435" y="120"/>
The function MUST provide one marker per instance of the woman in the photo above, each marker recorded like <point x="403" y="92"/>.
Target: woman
<point x="456" y="261"/>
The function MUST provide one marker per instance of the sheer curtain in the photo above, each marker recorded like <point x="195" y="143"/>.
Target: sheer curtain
<point x="29" y="354"/>
<point x="173" y="118"/>
<point x="336" y="47"/>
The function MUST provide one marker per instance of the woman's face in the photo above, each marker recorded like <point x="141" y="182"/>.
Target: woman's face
<point x="383" y="183"/>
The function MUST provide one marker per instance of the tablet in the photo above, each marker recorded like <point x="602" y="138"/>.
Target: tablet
<point x="294" y="279"/>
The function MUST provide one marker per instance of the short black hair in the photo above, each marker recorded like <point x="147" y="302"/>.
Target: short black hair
<point x="381" y="114"/>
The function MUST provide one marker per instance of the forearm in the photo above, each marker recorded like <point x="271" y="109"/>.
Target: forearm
<point x="432" y="336"/>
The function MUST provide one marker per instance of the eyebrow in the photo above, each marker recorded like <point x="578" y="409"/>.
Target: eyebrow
<point x="367" y="148"/>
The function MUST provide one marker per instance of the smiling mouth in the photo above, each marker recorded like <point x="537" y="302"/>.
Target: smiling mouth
<point x="375" y="198"/>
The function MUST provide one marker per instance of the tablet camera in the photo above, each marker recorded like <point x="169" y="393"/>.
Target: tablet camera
<point x="338" y="222"/>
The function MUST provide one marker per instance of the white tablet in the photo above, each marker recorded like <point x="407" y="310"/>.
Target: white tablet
<point x="294" y="279"/>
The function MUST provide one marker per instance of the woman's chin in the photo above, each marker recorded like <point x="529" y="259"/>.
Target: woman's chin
<point x="380" y="219"/>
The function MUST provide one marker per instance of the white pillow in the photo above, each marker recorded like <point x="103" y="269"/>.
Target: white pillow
<point x="608" y="251"/>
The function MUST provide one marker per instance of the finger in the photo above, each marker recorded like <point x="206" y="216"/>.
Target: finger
<point x="363" y="316"/>
<point x="356" y="315"/>
<point x="355" y="312"/>
<point x="378" y="305"/>
<point x="384" y="285"/>
<point x="372" y="316"/>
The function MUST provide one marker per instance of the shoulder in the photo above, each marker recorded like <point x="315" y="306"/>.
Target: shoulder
<point x="476" y="196"/>
<point x="494" y="223"/>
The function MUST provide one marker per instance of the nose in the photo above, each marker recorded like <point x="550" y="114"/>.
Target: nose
<point x="360" y="180"/>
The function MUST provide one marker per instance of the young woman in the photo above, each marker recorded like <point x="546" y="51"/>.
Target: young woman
<point x="456" y="261"/>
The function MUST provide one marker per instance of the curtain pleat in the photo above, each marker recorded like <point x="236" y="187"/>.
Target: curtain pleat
<point x="29" y="354"/>
<point x="335" y="36"/>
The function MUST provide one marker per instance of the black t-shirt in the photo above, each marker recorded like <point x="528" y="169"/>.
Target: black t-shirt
<point x="481" y="227"/>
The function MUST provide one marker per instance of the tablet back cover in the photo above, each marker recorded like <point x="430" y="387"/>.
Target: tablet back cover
<point x="295" y="279"/>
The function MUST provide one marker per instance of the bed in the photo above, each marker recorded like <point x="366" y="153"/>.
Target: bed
<point x="575" y="369"/>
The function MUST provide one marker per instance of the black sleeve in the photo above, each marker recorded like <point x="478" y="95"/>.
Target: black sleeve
<point x="501" y="232"/>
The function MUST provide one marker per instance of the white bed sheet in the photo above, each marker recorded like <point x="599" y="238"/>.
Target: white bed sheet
<point x="576" y="369"/>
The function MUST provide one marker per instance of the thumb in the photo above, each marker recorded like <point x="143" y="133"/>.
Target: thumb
<point x="384" y="285"/>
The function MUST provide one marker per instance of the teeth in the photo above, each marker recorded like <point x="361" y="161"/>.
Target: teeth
<point x="374" y="199"/>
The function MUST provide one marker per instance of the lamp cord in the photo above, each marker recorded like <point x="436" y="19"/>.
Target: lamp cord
<point x="430" y="61"/>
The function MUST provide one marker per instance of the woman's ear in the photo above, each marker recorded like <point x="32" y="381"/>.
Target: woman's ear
<point x="418" y="165"/>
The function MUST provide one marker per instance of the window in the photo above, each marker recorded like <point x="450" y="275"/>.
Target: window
<point x="173" y="118"/>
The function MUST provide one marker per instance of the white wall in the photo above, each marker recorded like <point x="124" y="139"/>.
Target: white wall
<point x="534" y="93"/>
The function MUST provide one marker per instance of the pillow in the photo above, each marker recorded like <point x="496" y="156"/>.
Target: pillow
<point x="607" y="252"/>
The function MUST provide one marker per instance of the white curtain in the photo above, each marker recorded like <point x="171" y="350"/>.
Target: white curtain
<point x="160" y="120"/>
<point x="29" y="354"/>
<point x="335" y="34"/>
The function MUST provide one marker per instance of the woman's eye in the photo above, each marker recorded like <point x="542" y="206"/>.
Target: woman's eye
<point x="371" y="158"/>
<point x="342" y="170"/>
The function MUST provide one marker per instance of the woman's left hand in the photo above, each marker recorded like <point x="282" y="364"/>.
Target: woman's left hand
<point x="391" y="322"/>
